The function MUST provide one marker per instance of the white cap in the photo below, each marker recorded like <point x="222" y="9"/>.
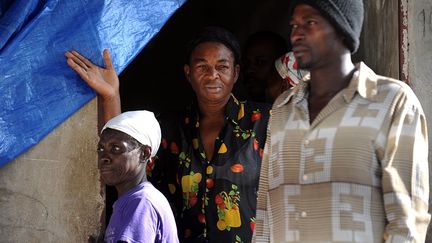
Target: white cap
<point x="141" y="125"/>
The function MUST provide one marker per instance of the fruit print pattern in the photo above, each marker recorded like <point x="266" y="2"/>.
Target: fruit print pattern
<point x="189" y="185"/>
<point x="228" y="209"/>
<point x="216" y="195"/>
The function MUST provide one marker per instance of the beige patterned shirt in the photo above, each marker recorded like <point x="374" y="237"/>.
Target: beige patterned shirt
<point x="358" y="173"/>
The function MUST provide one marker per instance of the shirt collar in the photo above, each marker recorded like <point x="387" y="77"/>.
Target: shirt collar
<point x="363" y="82"/>
<point x="232" y="109"/>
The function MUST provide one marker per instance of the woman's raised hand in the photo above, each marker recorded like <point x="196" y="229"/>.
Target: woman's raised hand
<point x="103" y="80"/>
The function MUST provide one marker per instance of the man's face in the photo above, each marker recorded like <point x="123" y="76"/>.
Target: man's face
<point x="314" y="40"/>
<point x="258" y="65"/>
<point x="118" y="159"/>
<point x="212" y="72"/>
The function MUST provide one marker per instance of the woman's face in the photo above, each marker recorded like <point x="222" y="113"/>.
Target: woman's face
<point x="212" y="72"/>
<point x="118" y="158"/>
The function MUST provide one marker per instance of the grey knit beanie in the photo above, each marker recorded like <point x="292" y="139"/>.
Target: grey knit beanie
<point x="345" y="15"/>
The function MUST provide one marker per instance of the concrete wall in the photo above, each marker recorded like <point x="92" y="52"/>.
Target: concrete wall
<point x="418" y="68"/>
<point x="52" y="192"/>
<point x="379" y="42"/>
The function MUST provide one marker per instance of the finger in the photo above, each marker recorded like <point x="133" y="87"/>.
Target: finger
<point x="77" y="61"/>
<point x="69" y="54"/>
<point x="77" y="68"/>
<point x="83" y="59"/>
<point x="107" y="59"/>
<point x="83" y="74"/>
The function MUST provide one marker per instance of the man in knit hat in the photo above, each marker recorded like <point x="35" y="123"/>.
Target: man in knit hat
<point x="346" y="155"/>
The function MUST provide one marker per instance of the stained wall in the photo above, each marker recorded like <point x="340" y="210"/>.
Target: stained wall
<point x="51" y="193"/>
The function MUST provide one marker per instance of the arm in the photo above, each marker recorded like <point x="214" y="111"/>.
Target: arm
<point x="103" y="80"/>
<point x="405" y="179"/>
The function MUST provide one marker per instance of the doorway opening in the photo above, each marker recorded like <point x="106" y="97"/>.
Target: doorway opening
<point x="154" y="80"/>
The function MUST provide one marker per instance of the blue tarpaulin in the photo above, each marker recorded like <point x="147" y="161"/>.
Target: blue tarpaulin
<point x="38" y="91"/>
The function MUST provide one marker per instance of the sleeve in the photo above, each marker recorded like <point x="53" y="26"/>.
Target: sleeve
<point x="262" y="229"/>
<point x="405" y="179"/>
<point x="140" y="222"/>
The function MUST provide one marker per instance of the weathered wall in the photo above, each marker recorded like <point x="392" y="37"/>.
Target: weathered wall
<point x="418" y="67"/>
<point x="379" y="47"/>
<point x="52" y="192"/>
<point x="420" y="55"/>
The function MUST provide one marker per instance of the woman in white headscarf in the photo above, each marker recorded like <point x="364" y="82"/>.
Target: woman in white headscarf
<point x="141" y="213"/>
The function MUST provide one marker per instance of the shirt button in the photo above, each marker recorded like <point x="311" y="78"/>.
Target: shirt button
<point x="305" y="177"/>
<point x="303" y="214"/>
<point x="306" y="142"/>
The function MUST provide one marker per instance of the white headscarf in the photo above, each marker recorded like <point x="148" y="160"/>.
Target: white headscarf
<point x="141" y="125"/>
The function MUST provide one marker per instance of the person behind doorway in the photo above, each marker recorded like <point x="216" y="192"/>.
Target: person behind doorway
<point x="141" y="212"/>
<point x="210" y="158"/>
<point x="346" y="157"/>
<point x="260" y="77"/>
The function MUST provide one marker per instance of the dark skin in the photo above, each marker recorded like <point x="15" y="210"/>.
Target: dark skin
<point x="212" y="73"/>
<point x="319" y="48"/>
<point x="120" y="162"/>
<point x="221" y="71"/>
<point x="210" y="126"/>
<point x="220" y="75"/>
<point x="103" y="80"/>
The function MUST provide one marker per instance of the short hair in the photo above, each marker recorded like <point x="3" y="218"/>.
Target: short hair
<point x="279" y="43"/>
<point x="215" y="34"/>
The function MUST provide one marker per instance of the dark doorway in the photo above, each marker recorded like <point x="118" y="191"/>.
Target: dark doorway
<point x="154" y="80"/>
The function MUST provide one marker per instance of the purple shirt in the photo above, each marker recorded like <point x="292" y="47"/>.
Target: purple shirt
<point x="142" y="214"/>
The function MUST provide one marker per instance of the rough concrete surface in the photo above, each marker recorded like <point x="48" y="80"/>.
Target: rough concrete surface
<point x="420" y="55"/>
<point x="379" y="41"/>
<point x="51" y="193"/>
<point x="420" y="66"/>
